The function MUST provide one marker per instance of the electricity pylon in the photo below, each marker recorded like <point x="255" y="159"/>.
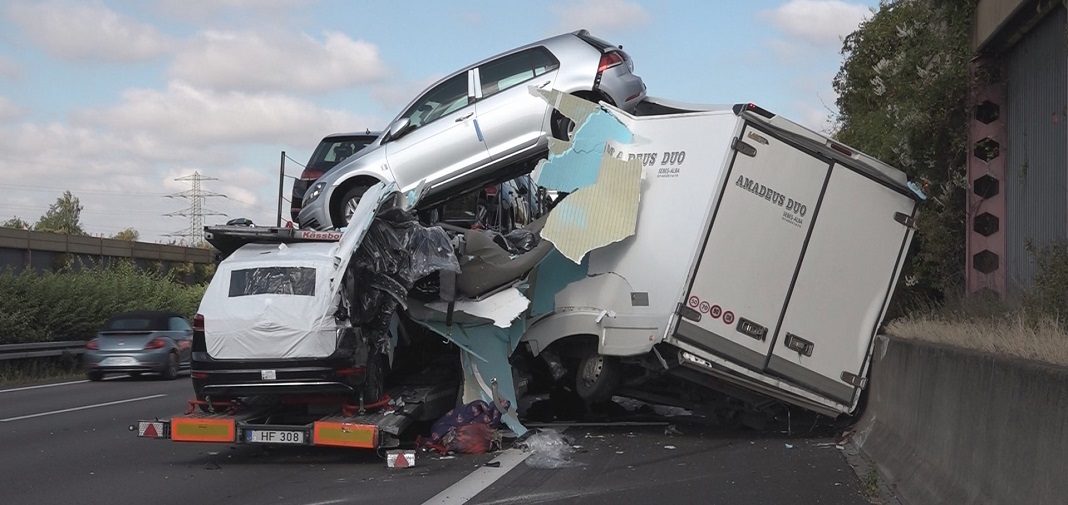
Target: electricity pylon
<point x="194" y="235"/>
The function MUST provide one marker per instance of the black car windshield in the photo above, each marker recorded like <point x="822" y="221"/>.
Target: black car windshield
<point x="135" y="323"/>
<point x="273" y="281"/>
<point x="334" y="150"/>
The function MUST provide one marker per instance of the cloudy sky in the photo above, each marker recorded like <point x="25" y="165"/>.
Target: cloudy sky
<point x="115" y="99"/>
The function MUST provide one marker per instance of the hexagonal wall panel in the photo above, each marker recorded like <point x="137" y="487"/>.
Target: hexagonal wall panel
<point x="987" y="149"/>
<point x="986" y="224"/>
<point x="987" y="112"/>
<point x="986" y="186"/>
<point x="985" y="261"/>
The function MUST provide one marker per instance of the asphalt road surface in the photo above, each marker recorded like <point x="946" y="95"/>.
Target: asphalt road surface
<point x="69" y="442"/>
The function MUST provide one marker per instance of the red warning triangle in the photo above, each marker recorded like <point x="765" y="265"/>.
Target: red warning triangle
<point x="150" y="431"/>
<point x="401" y="461"/>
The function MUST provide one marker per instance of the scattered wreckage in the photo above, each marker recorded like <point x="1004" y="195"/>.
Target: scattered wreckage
<point x="722" y="259"/>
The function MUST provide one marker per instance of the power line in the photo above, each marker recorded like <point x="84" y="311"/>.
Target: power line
<point x="196" y="211"/>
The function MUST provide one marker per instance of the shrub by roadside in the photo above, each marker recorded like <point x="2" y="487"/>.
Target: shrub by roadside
<point x="73" y="304"/>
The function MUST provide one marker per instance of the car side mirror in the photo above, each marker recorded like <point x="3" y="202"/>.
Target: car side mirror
<point x="398" y="128"/>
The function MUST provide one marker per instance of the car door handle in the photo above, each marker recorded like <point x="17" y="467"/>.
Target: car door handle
<point x="464" y="117"/>
<point x="544" y="84"/>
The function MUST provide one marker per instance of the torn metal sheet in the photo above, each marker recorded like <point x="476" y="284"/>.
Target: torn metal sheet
<point x="358" y="225"/>
<point x="502" y="308"/>
<point x="598" y="215"/>
<point x="485" y="349"/>
<point x="577" y="166"/>
<point x="551" y="276"/>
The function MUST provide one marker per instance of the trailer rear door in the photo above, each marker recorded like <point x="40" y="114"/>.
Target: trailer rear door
<point x="798" y="265"/>
<point x="753" y="248"/>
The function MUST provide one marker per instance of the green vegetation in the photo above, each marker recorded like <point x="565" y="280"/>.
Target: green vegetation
<point x="73" y="303"/>
<point x="903" y="98"/>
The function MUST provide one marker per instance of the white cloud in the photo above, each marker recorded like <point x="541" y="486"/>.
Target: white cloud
<point x="9" y="111"/>
<point x="277" y="61"/>
<point x="599" y="15"/>
<point x="90" y="31"/>
<point x="188" y="116"/>
<point x="202" y="11"/>
<point x="817" y="22"/>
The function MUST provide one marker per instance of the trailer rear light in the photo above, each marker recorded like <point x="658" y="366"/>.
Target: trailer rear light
<point x="609" y="60"/>
<point x="198" y="375"/>
<point x="93" y="345"/>
<point x="842" y="149"/>
<point x="156" y="343"/>
<point x="198" y="322"/>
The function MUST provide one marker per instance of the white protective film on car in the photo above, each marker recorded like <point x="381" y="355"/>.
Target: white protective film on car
<point x="272" y="301"/>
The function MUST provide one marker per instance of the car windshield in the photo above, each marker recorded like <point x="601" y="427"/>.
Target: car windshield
<point x="273" y="281"/>
<point x="135" y="324"/>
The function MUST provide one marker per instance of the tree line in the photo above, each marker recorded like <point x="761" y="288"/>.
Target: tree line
<point x="64" y="216"/>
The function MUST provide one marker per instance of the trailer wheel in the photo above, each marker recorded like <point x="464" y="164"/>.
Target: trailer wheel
<point x="597" y="377"/>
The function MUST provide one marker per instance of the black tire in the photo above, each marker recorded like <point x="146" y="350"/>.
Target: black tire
<point x="135" y="375"/>
<point x="171" y="372"/>
<point x="563" y="128"/>
<point x="348" y="205"/>
<point x="94" y="376"/>
<point x="597" y="377"/>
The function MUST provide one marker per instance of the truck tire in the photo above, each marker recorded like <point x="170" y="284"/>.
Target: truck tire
<point x="597" y="377"/>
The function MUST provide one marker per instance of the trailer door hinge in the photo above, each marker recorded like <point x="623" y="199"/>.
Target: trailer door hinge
<point x="688" y="312"/>
<point x="854" y="380"/>
<point x="740" y="146"/>
<point x="905" y="219"/>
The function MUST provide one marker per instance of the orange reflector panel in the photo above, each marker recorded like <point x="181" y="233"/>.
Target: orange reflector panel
<point x="345" y="434"/>
<point x="187" y="429"/>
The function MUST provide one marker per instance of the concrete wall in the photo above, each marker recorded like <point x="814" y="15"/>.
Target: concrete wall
<point x="958" y="427"/>
<point x="41" y="251"/>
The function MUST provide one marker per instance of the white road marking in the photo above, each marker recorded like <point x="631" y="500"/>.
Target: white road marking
<point x="467" y="487"/>
<point x="81" y="408"/>
<point x="41" y="386"/>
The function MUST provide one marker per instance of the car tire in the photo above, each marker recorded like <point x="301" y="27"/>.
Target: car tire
<point x="135" y="375"/>
<point x="563" y="128"/>
<point x="597" y="377"/>
<point x="94" y="376"/>
<point x="171" y="371"/>
<point x="348" y="205"/>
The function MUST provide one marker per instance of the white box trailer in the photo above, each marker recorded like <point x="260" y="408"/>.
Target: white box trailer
<point x="764" y="258"/>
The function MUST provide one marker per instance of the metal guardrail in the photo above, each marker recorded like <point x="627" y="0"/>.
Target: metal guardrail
<point x="41" y="349"/>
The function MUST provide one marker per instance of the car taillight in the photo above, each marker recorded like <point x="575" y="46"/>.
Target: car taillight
<point x="198" y="323"/>
<point x="156" y="343"/>
<point x="93" y="344"/>
<point x="357" y="370"/>
<point x="311" y="175"/>
<point x="609" y="60"/>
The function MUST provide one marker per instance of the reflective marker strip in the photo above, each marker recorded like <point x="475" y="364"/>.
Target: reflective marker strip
<point x="149" y="429"/>
<point x="184" y="429"/>
<point x="345" y="434"/>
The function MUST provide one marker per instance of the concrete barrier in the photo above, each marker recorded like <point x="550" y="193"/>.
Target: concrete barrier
<point x="946" y="425"/>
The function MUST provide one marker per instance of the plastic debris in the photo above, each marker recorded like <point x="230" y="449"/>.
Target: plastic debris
<point x="549" y="449"/>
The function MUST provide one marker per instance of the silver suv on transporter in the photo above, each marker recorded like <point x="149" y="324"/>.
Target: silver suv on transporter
<point x="467" y="127"/>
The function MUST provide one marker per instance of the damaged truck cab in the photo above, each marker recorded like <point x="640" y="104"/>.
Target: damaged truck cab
<point x="723" y="246"/>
